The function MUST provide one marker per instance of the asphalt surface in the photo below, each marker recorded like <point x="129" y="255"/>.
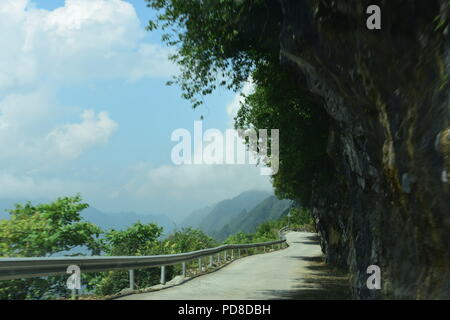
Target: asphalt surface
<point x="296" y="272"/>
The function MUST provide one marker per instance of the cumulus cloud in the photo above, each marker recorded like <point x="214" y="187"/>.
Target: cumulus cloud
<point x="43" y="49"/>
<point x="84" y="39"/>
<point x="30" y="135"/>
<point x="72" y="139"/>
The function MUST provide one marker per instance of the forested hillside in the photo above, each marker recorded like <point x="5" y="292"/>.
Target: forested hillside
<point x="241" y="213"/>
<point x="271" y="208"/>
<point x="216" y="216"/>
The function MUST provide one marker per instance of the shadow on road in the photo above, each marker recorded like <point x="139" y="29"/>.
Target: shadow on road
<point x="314" y="239"/>
<point x="320" y="283"/>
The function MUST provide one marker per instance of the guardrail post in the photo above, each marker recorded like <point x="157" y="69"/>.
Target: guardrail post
<point x="218" y="258"/>
<point x="225" y="256"/>
<point x="199" y="264"/>
<point x="232" y="254"/>
<point x="211" y="261"/>
<point x="131" y="273"/>
<point x="163" y="275"/>
<point x="239" y="253"/>
<point x="183" y="268"/>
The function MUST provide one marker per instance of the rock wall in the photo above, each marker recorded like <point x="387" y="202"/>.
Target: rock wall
<point x="387" y="94"/>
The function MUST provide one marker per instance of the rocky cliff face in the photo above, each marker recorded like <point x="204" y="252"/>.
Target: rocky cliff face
<point x="387" y="94"/>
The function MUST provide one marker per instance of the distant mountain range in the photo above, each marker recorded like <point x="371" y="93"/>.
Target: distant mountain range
<point x="241" y="213"/>
<point x="104" y="220"/>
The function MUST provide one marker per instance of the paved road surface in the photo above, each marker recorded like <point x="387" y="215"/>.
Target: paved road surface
<point x="296" y="272"/>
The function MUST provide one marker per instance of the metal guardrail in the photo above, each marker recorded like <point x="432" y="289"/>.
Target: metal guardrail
<point x="20" y="268"/>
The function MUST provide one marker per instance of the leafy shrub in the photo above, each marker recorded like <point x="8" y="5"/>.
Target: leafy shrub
<point x="137" y="240"/>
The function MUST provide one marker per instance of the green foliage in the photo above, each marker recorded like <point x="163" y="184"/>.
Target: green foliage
<point x="278" y="102"/>
<point x="44" y="230"/>
<point x="270" y="208"/>
<point x="239" y="238"/>
<point x="267" y="231"/>
<point x="218" y="42"/>
<point x="137" y="240"/>
<point x="48" y="229"/>
<point x="186" y="240"/>
<point x="142" y="239"/>
<point x="300" y="219"/>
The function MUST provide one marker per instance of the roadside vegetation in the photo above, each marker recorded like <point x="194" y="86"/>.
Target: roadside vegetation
<point x="299" y="220"/>
<point x="57" y="229"/>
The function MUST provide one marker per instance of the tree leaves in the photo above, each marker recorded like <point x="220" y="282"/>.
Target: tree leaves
<point x="216" y="37"/>
<point x="44" y="230"/>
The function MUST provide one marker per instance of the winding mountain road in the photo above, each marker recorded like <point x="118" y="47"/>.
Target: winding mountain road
<point x="296" y="272"/>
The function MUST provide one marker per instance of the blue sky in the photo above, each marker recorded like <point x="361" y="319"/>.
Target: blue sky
<point x="84" y="108"/>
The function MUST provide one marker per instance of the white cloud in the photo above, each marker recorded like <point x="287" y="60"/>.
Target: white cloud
<point x="72" y="139"/>
<point x="33" y="140"/>
<point x="18" y="111"/>
<point x="29" y="187"/>
<point x="42" y="50"/>
<point x="84" y="39"/>
<point x="34" y="152"/>
<point x="24" y="121"/>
